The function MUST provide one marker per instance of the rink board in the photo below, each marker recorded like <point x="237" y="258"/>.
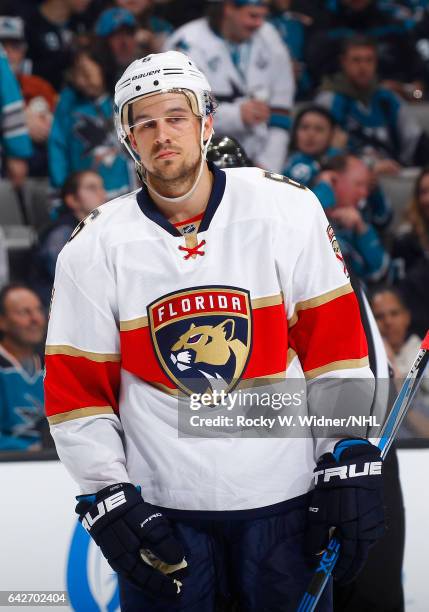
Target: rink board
<point x="44" y="548"/>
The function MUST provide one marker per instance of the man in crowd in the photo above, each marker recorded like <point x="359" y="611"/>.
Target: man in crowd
<point x="22" y="330"/>
<point x="49" y="35"/>
<point x="251" y="74"/>
<point x="340" y="20"/>
<point x="347" y="180"/>
<point x="39" y="95"/>
<point x="117" y="28"/>
<point x="377" y="121"/>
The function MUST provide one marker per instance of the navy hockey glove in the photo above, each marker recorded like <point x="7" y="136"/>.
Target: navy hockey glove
<point x="348" y="495"/>
<point x="122" y="524"/>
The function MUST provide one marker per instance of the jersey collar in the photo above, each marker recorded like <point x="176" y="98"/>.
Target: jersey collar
<point x="149" y="208"/>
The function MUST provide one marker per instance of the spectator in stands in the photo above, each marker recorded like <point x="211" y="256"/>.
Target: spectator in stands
<point x="378" y="123"/>
<point x="39" y="95"/>
<point x="81" y="193"/>
<point x="411" y="244"/>
<point x="15" y="144"/>
<point x="313" y="136"/>
<point x="50" y="38"/>
<point x="349" y="180"/>
<point x="250" y="72"/>
<point x="343" y="19"/>
<point x="411" y="248"/>
<point x="294" y="30"/>
<point x="152" y="31"/>
<point x="393" y="319"/>
<point x="82" y="135"/>
<point x="22" y="330"/>
<point x="117" y="28"/>
<point x="313" y="133"/>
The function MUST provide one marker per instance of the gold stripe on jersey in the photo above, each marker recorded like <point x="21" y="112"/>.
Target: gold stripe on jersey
<point x="71" y="351"/>
<point x="259" y="381"/>
<point x="134" y="324"/>
<point x="345" y="364"/>
<point x="139" y="322"/>
<point x="164" y="388"/>
<point x="271" y="300"/>
<point x="79" y="413"/>
<point x="319" y="301"/>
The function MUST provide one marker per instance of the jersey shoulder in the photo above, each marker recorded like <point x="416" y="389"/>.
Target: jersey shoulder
<point x="99" y="228"/>
<point x="263" y="179"/>
<point x="264" y="193"/>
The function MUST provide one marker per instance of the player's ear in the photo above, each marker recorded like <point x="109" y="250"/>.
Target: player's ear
<point x="133" y="142"/>
<point x="208" y="127"/>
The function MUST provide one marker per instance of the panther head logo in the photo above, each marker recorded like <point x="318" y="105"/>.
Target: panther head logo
<point x="210" y="351"/>
<point x="202" y="337"/>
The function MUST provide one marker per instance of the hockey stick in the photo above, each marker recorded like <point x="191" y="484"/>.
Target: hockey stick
<point x="387" y="435"/>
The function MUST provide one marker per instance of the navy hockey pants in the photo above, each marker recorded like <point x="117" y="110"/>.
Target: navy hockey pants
<point x="253" y="565"/>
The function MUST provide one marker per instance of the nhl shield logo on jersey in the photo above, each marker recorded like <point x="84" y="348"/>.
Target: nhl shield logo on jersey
<point x="202" y="337"/>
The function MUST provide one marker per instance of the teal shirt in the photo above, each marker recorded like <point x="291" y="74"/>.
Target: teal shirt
<point x="21" y="406"/>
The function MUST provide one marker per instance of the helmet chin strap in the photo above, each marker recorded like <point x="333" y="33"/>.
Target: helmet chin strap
<point x="188" y="194"/>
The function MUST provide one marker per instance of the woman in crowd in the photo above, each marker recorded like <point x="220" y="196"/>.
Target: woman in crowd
<point x="411" y="249"/>
<point x="393" y="320"/>
<point x="411" y="243"/>
<point x="82" y="135"/>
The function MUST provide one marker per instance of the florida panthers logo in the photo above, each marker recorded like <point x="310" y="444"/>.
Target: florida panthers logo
<point x="202" y="337"/>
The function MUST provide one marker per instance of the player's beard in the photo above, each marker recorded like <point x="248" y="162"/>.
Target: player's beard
<point x="174" y="182"/>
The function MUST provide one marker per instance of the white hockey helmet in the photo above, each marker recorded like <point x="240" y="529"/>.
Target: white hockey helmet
<point x="157" y="73"/>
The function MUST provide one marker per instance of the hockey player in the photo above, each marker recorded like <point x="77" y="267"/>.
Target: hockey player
<point x="250" y="72"/>
<point x="205" y="276"/>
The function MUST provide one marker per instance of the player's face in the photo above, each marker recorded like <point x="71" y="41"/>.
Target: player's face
<point x="24" y="321"/>
<point x="424" y="196"/>
<point x="353" y="184"/>
<point x="167" y="136"/>
<point x="360" y="65"/>
<point x="242" y="22"/>
<point x="314" y="134"/>
<point x="392" y="318"/>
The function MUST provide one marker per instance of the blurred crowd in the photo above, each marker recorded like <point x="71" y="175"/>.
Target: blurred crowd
<point x="332" y="93"/>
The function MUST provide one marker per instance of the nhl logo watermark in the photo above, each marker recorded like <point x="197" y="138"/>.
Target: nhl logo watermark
<point x="202" y="337"/>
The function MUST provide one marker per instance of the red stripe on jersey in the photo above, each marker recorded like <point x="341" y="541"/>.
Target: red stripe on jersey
<point x="77" y="382"/>
<point x="138" y="357"/>
<point x="330" y="332"/>
<point x="268" y="351"/>
<point x="269" y="346"/>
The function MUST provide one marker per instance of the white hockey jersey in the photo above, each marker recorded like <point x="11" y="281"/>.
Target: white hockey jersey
<point x="265" y="74"/>
<point x="138" y="306"/>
